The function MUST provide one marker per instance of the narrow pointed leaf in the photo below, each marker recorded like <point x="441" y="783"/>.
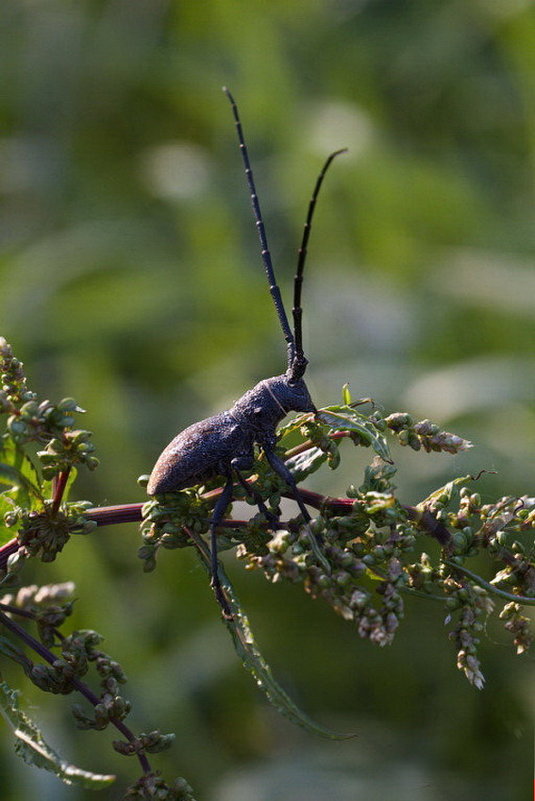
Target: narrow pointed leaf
<point x="254" y="662"/>
<point x="346" y="395"/>
<point x="31" y="746"/>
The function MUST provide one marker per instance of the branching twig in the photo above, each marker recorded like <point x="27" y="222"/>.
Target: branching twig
<point x="80" y="686"/>
<point x="519" y="599"/>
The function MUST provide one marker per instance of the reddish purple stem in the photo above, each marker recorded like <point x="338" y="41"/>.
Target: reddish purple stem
<point x="131" y="513"/>
<point x="80" y="686"/>
<point x="60" y="482"/>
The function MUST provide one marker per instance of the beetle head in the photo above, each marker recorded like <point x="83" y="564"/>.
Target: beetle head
<point x="292" y="393"/>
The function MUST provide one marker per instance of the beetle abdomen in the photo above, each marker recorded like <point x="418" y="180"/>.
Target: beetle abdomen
<point x="201" y="451"/>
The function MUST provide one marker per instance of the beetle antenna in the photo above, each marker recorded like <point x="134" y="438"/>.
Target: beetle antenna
<point x="266" y="256"/>
<point x="299" y="365"/>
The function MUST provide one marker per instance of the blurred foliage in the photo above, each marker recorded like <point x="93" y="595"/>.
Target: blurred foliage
<point x="131" y="280"/>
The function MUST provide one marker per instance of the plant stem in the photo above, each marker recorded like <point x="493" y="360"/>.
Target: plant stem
<point x="82" y="688"/>
<point x="519" y="599"/>
<point x="14" y="610"/>
<point x="308" y="444"/>
<point x="60" y="482"/>
<point x="131" y="513"/>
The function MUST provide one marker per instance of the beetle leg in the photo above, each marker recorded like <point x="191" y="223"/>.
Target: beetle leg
<point x="243" y="462"/>
<point x="219" y="510"/>
<point x="270" y="516"/>
<point x="279" y="467"/>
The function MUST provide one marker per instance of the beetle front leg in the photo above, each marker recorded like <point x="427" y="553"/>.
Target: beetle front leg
<point x="219" y="510"/>
<point x="271" y="517"/>
<point x="279" y="467"/>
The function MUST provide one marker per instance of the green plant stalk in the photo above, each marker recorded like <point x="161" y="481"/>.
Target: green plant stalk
<point x="519" y="599"/>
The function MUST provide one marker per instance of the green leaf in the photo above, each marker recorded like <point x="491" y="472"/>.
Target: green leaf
<point x="254" y="663"/>
<point x="17" y="472"/>
<point x="12" y="477"/>
<point x="346" y="395"/>
<point x="252" y="659"/>
<point x="303" y="464"/>
<point x="447" y="494"/>
<point x="6" y="505"/>
<point x="31" y="746"/>
<point x="344" y="418"/>
<point x="294" y="425"/>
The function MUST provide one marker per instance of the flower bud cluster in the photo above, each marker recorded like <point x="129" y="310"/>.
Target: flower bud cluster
<point x="44" y="534"/>
<point x="59" y="676"/>
<point x="423" y="575"/>
<point x="37" y="421"/>
<point x="111" y="705"/>
<point x="152" y="787"/>
<point x="377" y="478"/>
<point x="49" y="606"/>
<point x="151" y="743"/>
<point x="268" y="484"/>
<point x="34" y="597"/>
<point x="31" y="420"/>
<point x="473" y="606"/>
<point x="439" y="512"/>
<point x="63" y="674"/>
<point x="165" y="520"/>
<point x="369" y="541"/>
<point x="315" y="432"/>
<point x="518" y="625"/>
<point x="492" y="526"/>
<point x="424" y="434"/>
<point x="61" y="453"/>
<point x="50" y="423"/>
<point x="376" y="538"/>
<point x="255" y="537"/>
<point x="14" y="391"/>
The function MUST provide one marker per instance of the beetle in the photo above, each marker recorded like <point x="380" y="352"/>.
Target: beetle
<point x="223" y="445"/>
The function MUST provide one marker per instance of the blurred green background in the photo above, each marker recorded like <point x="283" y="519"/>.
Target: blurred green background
<point x="130" y="279"/>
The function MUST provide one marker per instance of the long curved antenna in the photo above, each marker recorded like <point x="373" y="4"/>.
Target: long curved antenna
<point x="300" y="361"/>
<point x="266" y="256"/>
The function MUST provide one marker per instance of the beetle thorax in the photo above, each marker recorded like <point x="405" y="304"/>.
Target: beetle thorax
<point x="267" y="403"/>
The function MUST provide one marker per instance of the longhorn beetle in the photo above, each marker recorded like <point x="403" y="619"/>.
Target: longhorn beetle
<point x="223" y="445"/>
